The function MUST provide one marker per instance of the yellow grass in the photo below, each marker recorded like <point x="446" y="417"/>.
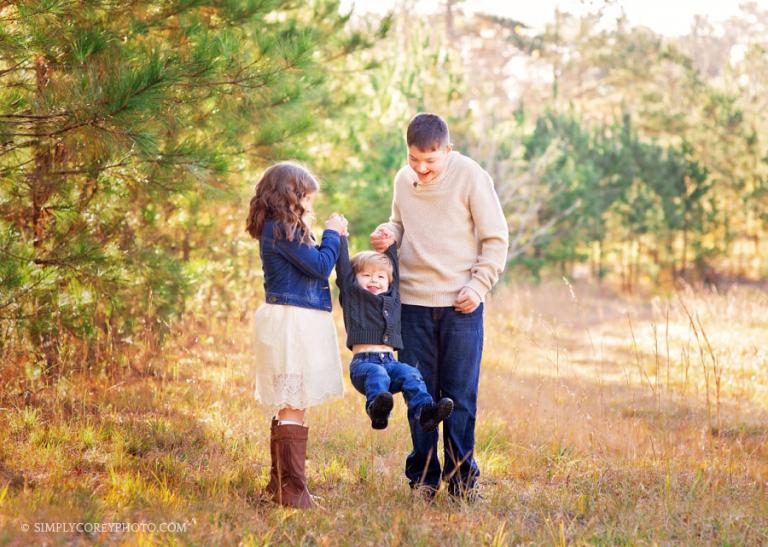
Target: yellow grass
<point x="602" y="420"/>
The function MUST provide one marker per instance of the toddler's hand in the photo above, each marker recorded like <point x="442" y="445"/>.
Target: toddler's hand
<point x="382" y="239"/>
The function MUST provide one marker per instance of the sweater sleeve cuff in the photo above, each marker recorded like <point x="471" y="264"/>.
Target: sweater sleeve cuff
<point x="477" y="286"/>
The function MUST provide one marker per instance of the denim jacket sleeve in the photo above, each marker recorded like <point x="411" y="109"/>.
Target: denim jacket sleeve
<point x="344" y="272"/>
<point x="314" y="261"/>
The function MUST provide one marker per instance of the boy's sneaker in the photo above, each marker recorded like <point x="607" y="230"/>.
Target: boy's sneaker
<point x="469" y="497"/>
<point x="379" y="410"/>
<point x="432" y="414"/>
<point x="459" y="491"/>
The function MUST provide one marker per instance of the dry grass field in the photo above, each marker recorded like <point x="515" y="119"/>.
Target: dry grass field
<point x="603" y="420"/>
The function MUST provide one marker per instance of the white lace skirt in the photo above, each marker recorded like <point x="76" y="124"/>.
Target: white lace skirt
<point x="297" y="356"/>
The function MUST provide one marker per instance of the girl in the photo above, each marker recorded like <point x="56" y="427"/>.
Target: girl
<point x="297" y="355"/>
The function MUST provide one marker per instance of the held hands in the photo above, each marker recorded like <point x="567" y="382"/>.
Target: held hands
<point x="467" y="300"/>
<point x="382" y="239"/>
<point x="337" y="223"/>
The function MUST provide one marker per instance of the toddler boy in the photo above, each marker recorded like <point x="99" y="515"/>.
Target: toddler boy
<point x="370" y="298"/>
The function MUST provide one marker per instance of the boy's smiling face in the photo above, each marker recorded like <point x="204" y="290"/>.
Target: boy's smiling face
<point x="373" y="280"/>
<point x="429" y="164"/>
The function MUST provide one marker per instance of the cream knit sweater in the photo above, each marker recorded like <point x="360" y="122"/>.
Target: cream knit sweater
<point x="452" y="233"/>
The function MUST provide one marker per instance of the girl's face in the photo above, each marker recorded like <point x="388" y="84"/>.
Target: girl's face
<point x="306" y="202"/>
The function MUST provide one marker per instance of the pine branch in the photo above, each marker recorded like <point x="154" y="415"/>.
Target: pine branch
<point x="25" y="144"/>
<point x="34" y="117"/>
<point x="12" y="168"/>
<point x="91" y="122"/>
<point x="72" y="6"/>
<point x="122" y="5"/>
<point x="65" y="261"/>
<point x="15" y="68"/>
<point x="238" y="80"/>
<point x="23" y="85"/>
<point x="89" y="171"/>
<point x="85" y="201"/>
<point x="27" y="288"/>
<point x="52" y="133"/>
<point x="148" y="180"/>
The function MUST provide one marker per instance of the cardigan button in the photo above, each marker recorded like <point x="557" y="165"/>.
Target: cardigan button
<point x="386" y="338"/>
<point x="386" y="313"/>
<point x="273" y="299"/>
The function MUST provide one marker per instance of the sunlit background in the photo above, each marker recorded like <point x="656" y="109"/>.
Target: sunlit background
<point x="623" y="396"/>
<point x="667" y="18"/>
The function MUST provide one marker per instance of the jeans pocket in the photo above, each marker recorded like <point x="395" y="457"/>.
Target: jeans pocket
<point x="467" y="323"/>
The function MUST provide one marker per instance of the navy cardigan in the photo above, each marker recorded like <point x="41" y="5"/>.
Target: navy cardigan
<point x="369" y="318"/>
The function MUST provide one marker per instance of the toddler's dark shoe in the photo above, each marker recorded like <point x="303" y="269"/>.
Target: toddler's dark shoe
<point x="432" y="414"/>
<point x="379" y="410"/>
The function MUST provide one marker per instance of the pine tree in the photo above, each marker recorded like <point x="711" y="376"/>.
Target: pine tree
<point x="119" y="121"/>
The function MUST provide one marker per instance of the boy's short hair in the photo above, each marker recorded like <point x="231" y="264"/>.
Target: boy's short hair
<point x="427" y="132"/>
<point x="372" y="260"/>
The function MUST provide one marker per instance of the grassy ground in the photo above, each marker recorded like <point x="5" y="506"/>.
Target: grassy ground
<point x="603" y="420"/>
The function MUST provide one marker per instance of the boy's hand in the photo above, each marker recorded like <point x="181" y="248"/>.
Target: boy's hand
<point x="467" y="300"/>
<point x="381" y="239"/>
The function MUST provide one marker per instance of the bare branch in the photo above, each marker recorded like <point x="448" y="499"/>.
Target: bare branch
<point x="25" y="144"/>
<point x="89" y="171"/>
<point x="33" y="117"/>
<point x="14" y="68"/>
<point x="514" y="252"/>
<point x="26" y="289"/>
<point x="11" y="168"/>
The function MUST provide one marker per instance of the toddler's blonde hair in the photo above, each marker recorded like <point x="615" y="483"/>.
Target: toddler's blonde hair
<point x="371" y="260"/>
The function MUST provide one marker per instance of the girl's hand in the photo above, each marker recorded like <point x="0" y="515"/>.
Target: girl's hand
<point x="337" y="223"/>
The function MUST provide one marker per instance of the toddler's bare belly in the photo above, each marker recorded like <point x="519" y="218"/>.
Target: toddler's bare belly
<point x="359" y="348"/>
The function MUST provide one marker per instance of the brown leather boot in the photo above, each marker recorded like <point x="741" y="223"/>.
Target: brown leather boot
<point x="288" y="449"/>
<point x="273" y="487"/>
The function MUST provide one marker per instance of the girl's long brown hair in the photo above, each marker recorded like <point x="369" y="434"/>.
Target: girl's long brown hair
<point x="278" y="197"/>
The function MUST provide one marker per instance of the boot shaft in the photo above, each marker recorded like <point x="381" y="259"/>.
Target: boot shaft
<point x="288" y="451"/>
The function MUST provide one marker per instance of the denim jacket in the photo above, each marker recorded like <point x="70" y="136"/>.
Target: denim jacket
<point x="296" y="274"/>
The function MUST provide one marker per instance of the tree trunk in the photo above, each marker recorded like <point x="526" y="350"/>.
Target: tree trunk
<point x="39" y="179"/>
<point x="449" y="20"/>
<point x="600" y="261"/>
<point x="684" y="258"/>
<point x="185" y="247"/>
<point x="41" y="189"/>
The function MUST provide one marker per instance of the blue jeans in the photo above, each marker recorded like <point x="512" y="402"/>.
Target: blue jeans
<point x="446" y="346"/>
<point x="374" y="372"/>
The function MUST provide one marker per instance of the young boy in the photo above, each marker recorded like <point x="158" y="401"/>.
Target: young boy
<point x="370" y="299"/>
<point x="453" y="237"/>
